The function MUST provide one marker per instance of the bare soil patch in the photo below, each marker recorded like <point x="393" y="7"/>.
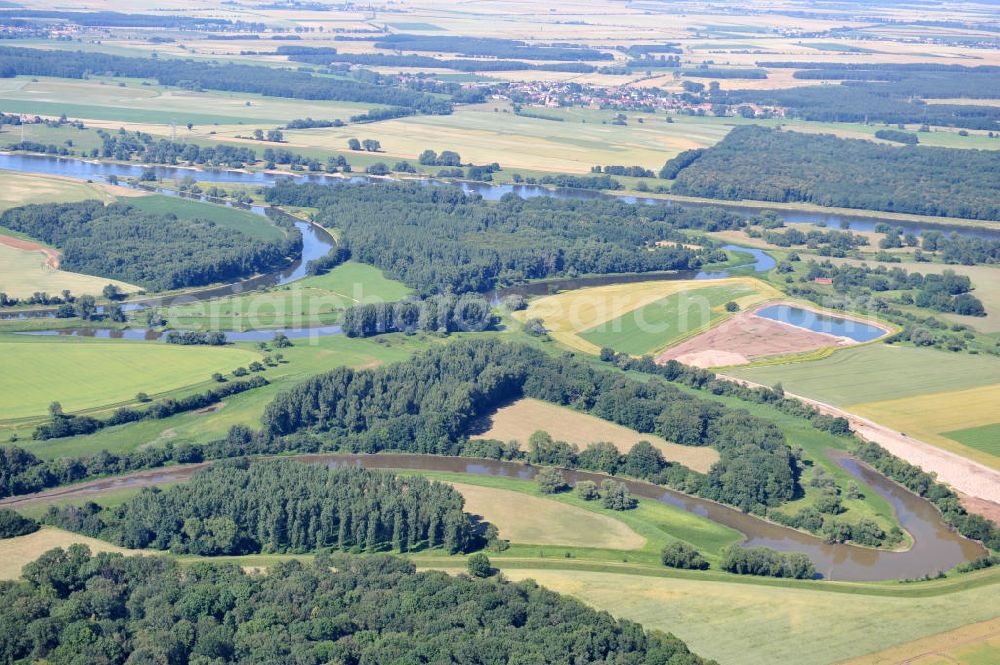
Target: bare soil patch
<point x="745" y="338"/>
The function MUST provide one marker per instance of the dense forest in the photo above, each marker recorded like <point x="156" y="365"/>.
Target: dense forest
<point x="445" y="314"/>
<point x="242" y="507"/>
<point x="158" y="252"/>
<point x="428" y="62"/>
<point x="377" y="609"/>
<point x="428" y="404"/>
<point x="890" y="93"/>
<point x="488" y="47"/>
<point x="439" y="239"/>
<point x="763" y="164"/>
<point x="200" y="75"/>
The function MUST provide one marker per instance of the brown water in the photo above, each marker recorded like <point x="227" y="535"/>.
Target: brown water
<point x="936" y="546"/>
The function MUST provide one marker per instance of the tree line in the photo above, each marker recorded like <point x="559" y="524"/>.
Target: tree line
<point x="243" y="507"/>
<point x="438" y="239"/>
<point x="158" y="252"/>
<point x="338" y="609"/>
<point x="200" y="75"/>
<point x="428" y="62"/>
<point x="763" y="164"/>
<point x="63" y="424"/>
<point x="487" y="46"/>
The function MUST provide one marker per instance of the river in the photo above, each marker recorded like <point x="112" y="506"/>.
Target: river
<point x="77" y="168"/>
<point x="936" y="546"/>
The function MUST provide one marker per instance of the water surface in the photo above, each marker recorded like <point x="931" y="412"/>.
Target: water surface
<point x="822" y="323"/>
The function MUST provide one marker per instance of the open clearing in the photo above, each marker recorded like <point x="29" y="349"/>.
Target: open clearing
<point x="522" y="518"/>
<point x="752" y="624"/>
<point x="572" y="314"/>
<point x="25" y="271"/>
<point x="975" y="644"/>
<point x="16" y="552"/>
<point x="878" y="372"/>
<point x="747" y="337"/>
<point x="518" y="421"/>
<point x="87" y="375"/>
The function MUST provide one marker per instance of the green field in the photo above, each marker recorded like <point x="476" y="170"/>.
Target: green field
<point x="754" y="624"/>
<point x="663" y="322"/>
<point x="304" y="359"/>
<point x="311" y="301"/>
<point x="244" y="221"/>
<point x="84" y="374"/>
<point x="878" y="372"/>
<point x="985" y="438"/>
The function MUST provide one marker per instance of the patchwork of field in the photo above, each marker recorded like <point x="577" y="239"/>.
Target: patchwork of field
<point x="923" y="392"/>
<point x="21" y="189"/>
<point x="518" y="421"/>
<point x="526" y="519"/>
<point x="134" y="102"/>
<point x="84" y="375"/>
<point x="642" y="317"/>
<point x="493" y="133"/>
<point x="307" y="302"/>
<point x="751" y="624"/>
<point x="975" y="644"/>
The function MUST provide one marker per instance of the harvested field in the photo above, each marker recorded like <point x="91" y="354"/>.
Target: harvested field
<point x="51" y="255"/>
<point x="16" y="552"/>
<point x="518" y="421"/>
<point x="25" y="270"/>
<point x="745" y="338"/>
<point x="968" y="645"/>
<point x="522" y="518"/>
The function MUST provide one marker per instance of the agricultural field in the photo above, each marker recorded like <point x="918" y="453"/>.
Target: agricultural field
<point x="311" y="301"/>
<point x="755" y="624"/>
<point x="16" y="552"/>
<point x="975" y="644"/>
<point x="529" y="520"/>
<point x="83" y="375"/>
<point x="133" y="102"/>
<point x="924" y="393"/>
<point x="642" y="317"/>
<point x="518" y="421"/>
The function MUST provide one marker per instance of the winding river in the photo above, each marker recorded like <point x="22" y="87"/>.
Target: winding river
<point x="936" y="546"/>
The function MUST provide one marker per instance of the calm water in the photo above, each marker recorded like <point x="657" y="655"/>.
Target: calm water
<point x="831" y="325"/>
<point x="77" y="168"/>
<point x="936" y="546"/>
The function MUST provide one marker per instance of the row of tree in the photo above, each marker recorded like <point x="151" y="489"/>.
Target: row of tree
<point x="339" y="609"/>
<point x="764" y="164"/>
<point x="243" y="507"/>
<point x="444" y="314"/>
<point x="159" y="252"/>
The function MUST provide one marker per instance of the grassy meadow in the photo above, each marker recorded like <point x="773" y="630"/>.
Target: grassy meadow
<point x="236" y="219"/>
<point x="84" y="374"/>
<point x="311" y="301"/>
<point x="519" y="420"/>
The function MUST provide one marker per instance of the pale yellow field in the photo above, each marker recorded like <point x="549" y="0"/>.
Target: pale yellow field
<point x="531" y="520"/>
<point x="569" y="313"/>
<point x="752" y="624"/>
<point x="16" y="552"/>
<point x="926" y="416"/>
<point x="975" y="644"/>
<point x="18" y="189"/>
<point x="518" y="421"/>
<point x="23" y="272"/>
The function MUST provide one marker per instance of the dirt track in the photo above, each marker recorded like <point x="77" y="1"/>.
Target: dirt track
<point x="51" y="255"/>
<point x="979" y="483"/>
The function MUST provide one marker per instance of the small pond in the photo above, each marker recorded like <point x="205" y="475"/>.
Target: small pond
<point x="821" y="323"/>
